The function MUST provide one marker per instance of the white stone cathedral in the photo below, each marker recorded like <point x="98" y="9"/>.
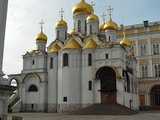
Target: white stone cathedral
<point x="90" y="65"/>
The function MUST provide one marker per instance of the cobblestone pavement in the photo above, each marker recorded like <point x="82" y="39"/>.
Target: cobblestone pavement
<point x="43" y="116"/>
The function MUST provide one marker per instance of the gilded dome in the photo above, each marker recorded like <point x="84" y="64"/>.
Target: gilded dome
<point x="54" y="49"/>
<point x="41" y="37"/>
<point x="90" y="44"/>
<point x="110" y="25"/>
<point x="61" y="24"/>
<point x="72" y="44"/>
<point x="92" y="18"/>
<point x="82" y="7"/>
<point x="102" y="27"/>
<point x="126" y="42"/>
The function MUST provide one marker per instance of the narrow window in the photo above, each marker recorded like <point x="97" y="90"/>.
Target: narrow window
<point x="89" y="85"/>
<point x="65" y="60"/>
<point x="128" y="82"/>
<point x="107" y="56"/>
<point x="156" y="70"/>
<point x="79" y="26"/>
<point x="146" y="71"/>
<point x="141" y="50"/>
<point x="57" y="34"/>
<point x="90" y="29"/>
<point x="85" y="26"/>
<point x="32" y="106"/>
<point x="109" y="38"/>
<point x="51" y="63"/>
<point x="65" y="34"/>
<point x="64" y="99"/>
<point x="144" y="48"/>
<point x="154" y="49"/>
<point x="157" y="49"/>
<point x="33" y="62"/>
<point x="89" y="59"/>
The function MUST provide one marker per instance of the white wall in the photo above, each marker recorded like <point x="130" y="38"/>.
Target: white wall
<point x="69" y="81"/>
<point x="53" y="83"/>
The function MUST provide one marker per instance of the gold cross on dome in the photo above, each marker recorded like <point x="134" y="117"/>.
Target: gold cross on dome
<point x="110" y="10"/>
<point x="41" y="23"/>
<point x="61" y="13"/>
<point x="103" y="17"/>
<point x="93" y="3"/>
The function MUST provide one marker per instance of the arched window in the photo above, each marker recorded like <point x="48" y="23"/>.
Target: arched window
<point x="79" y="26"/>
<point x="65" y="60"/>
<point x="90" y="29"/>
<point x="89" y="59"/>
<point x="155" y="49"/>
<point x="33" y="88"/>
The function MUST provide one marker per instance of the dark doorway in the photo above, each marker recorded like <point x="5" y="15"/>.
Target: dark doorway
<point x="155" y="96"/>
<point x="107" y="76"/>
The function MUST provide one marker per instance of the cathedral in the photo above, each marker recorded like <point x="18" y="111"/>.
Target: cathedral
<point x="96" y="63"/>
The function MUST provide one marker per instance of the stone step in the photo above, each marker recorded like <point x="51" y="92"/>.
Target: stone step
<point x="104" y="109"/>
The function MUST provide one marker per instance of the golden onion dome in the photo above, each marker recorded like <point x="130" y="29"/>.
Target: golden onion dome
<point x="126" y="42"/>
<point x="41" y="37"/>
<point x="90" y="44"/>
<point x="92" y="18"/>
<point x="54" y="49"/>
<point x="102" y="27"/>
<point x="72" y="44"/>
<point x="110" y="25"/>
<point x="61" y="24"/>
<point x="82" y="7"/>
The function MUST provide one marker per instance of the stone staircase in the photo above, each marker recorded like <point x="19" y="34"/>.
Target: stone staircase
<point x="12" y="101"/>
<point x="104" y="109"/>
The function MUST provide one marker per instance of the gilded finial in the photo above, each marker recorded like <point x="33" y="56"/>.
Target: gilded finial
<point x="110" y="10"/>
<point x="41" y="24"/>
<point x="61" y="13"/>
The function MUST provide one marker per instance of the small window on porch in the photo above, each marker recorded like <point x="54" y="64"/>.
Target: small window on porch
<point x="107" y="56"/>
<point x="64" y="99"/>
<point x="89" y="85"/>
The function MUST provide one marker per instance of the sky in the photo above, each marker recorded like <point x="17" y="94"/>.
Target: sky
<point x="24" y="17"/>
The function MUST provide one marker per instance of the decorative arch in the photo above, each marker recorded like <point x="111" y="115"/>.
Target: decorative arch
<point x="15" y="81"/>
<point x="32" y="75"/>
<point x="118" y="76"/>
<point x="108" y="89"/>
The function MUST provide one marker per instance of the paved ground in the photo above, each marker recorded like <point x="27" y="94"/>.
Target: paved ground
<point x="43" y="116"/>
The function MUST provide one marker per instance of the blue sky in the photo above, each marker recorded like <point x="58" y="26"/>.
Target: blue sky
<point x="24" y="17"/>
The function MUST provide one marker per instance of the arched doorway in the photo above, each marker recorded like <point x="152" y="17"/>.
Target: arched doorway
<point x="107" y="77"/>
<point x="155" y="96"/>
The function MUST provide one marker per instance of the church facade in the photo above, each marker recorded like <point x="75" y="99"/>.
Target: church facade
<point x="94" y="64"/>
